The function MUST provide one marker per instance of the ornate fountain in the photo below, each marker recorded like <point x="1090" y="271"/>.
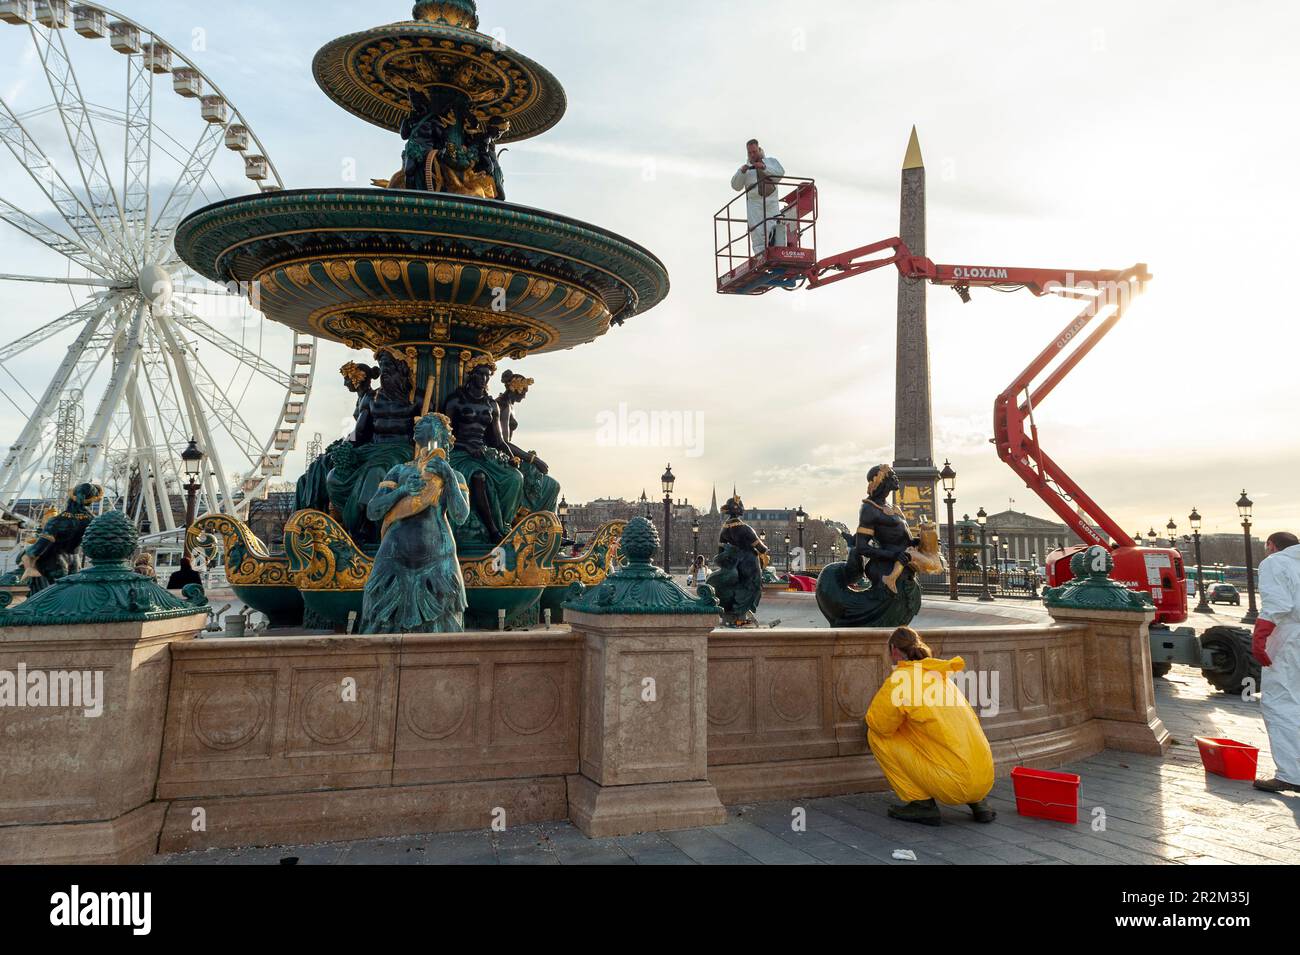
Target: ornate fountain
<point x="442" y="279"/>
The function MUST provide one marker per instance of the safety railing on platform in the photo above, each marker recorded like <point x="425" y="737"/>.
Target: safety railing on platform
<point x="771" y="251"/>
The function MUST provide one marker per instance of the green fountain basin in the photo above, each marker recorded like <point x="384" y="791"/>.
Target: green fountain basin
<point x="377" y="267"/>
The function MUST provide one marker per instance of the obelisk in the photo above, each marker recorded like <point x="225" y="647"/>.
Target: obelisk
<point x="913" y="430"/>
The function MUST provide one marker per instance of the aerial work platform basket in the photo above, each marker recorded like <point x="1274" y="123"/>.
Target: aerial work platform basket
<point x="776" y="251"/>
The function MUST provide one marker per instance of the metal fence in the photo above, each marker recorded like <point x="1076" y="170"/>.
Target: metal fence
<point x="1012" y="585"/>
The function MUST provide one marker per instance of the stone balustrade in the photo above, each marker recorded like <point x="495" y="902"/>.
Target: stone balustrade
<point x="218" y="743"/>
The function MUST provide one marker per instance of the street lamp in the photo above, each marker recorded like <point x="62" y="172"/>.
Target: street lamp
<point x="645" y="504"/>
<point x="1137" y="538"/>
<point x="815" y="564"/>
<point x="563" y="512"/>
<point x="949" y="477"/>
<point x="1244" y="507"/>
<point x="695" y="547"/>
<point x="667" y="480"/>
<point x="1151" y="536"/>
<point x="800" y="518"/>
<point x="1172" y="528"/>
<point x="192" y="460"/>
<point x="982" y="519"/>
<point x="787" y="553"/>
<point x="1203" y="605"/>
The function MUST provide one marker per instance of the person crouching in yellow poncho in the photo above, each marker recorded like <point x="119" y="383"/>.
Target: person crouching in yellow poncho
<point x="926" y="737"/>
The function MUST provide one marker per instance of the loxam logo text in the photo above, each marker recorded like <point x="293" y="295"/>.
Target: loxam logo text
<point x="967" y="272"/>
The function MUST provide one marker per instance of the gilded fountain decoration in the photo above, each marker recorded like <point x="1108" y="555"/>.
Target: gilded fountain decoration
<point x="440" y="278"/>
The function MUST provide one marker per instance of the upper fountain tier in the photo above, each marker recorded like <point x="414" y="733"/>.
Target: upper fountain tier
<point x="372" y="74"/>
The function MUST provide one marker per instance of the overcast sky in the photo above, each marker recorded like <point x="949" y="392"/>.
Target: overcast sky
<point x="1055" y="134"/>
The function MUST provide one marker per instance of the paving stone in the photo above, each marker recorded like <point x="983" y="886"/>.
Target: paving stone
<point x="707" y="848"/>
<point x="763" y="846"/>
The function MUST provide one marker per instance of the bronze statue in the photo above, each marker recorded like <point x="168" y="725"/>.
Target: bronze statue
<point x="416" y="584"/>
<point x="56" y="551"/>
<point x="876" y="586"/>
<point x="484" y="457"/>
<point x="541" y="491"/>
<point x="312" y="493"/>
<point x="425" y="132"/>
<point x="738" y="581"/>
<point x="485" y="137"/>
<point x="449" y="148"/>
<point x="382" y="440"/>
<point x="883" y="538"/>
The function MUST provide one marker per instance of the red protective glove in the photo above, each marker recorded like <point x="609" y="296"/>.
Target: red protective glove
<point x="1259" y="646"/>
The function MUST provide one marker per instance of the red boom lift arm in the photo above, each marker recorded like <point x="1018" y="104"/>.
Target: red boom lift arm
<point x="1104" y="292"/>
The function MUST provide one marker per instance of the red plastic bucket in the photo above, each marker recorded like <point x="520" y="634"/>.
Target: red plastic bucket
<point x="1045" y="795"/>
<point x="1227" y="757"/>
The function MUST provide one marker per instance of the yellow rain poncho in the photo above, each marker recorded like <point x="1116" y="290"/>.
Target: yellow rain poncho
<point x="927" y="738"/>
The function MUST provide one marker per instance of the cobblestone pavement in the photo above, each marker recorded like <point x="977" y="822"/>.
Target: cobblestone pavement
<point x="1155" y="811"/>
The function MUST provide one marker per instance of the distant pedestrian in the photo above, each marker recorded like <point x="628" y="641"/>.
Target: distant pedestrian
<point x="1277" y="648"/>
<point x="182" y="578"/>
<point x="697" y="573"/>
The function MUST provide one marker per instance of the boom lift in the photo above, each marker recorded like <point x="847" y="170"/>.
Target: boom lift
<point x="788" y="260"/>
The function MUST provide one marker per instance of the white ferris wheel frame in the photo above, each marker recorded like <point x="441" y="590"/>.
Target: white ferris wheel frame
<point x="113" y="235"/>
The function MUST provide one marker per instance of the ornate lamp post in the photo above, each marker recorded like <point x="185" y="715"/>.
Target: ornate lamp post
<point x="1244" y="507"/>
<point x="562" y="511"/>
<point x="1137" y="538"/>
<point x="1203" y="605"/>
<point x="787" y="553"/>
<point x="815" y="564"/>
<point x="949" y="477"/>
<point x="645" y="504"/>
<point x="695" y="546"/>
<point x="1172" y="528"/>
<point x="982" y="519"/>
<point x="192" y="459"/>
<point x="800" y="518"/>
<point x="1151" y="537"/>
<point x="668" y="480"/>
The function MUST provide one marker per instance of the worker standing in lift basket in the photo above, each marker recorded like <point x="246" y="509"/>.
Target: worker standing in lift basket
<point x="762" y="205"/>
<point x="1277" y="648"/>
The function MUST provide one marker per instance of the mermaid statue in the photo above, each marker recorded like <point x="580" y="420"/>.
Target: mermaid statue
<point x="738" y="581"/>
<point x="541" y="491"/>
<point x="416" y="584"/>
<point x="876" y="586"/>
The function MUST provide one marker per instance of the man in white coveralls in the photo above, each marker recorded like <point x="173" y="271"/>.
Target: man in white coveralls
<point x="763" y="205"/>
<point x="1277" y="648"/>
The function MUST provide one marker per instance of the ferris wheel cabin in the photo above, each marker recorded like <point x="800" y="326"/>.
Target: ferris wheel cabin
<point x="774" y="253"/>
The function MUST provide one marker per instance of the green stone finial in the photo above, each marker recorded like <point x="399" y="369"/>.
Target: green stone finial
<point x="640" y="587"/>
<point x="453" y="13"/>
<point x="110" y="539"/>
<point x="109" y="592"/>
<point x="1092" y="588"/>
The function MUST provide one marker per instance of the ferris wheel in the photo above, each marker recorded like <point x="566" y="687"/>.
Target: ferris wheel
<point x="121" y="355"/>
